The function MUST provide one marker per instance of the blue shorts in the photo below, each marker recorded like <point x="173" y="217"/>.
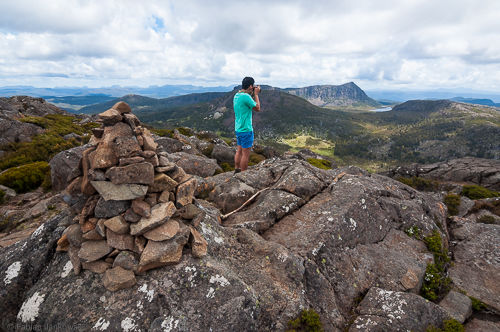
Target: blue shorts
<point x="244" y="139"/>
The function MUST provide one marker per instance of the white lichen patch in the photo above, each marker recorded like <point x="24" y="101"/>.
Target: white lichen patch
<point x="282" y="257"/>
<point x="128" y="325"/>
<point x="29" y="309"/>
<point x="169" y="324"/>
<point x="223" y="282"/>
<point x="102" y="298"/>
<point x="209" y="234"/>
<point x="101" y="324"/>
<point x="210" y="293"/>
<point x="317" y="249"/>
<point x="353" y="223"/>
<point x="330" y="219"/>
<point x="193" y="273"/>
<point x="67" y="269"/>
<point x="38" y="231"/>
<point x="149" y="293"/>
<point x="12" y="272"/>
<point x="139" y="305"/>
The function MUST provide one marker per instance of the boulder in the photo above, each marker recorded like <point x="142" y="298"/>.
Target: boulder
<point x="383" y="310"/>
<point x="119" y="192"/>
<point x="231" y="195"/>
<point x="476" y="269"/>
<point x="160" y="213"/>
<point x="169" y="145"/>
<point x="118" y="278"/>
<point x="185" y="193"/>
<point x="122" y="107"/>
<point x="125" y="146"/>
<point x="110" y="117"/>
<point x="199" y="244"/>
<point x="140" y="173"/>
<point x="65" y="166"/>
<point x="458" y="305"/>
<point x="161" y="183"/>
<point x="105" y="156"/>
<point x="194" y="164"/>
<point x="223" y="154"/>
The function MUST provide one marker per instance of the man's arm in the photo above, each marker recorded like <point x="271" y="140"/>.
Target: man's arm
<point x="256" y="92"/>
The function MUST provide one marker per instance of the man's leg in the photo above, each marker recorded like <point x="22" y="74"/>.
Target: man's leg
<point x="237" y="157"/>
<point x="245" y="156"/>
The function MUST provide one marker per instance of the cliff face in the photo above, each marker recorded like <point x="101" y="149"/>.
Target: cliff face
<point x="348" y="94"/>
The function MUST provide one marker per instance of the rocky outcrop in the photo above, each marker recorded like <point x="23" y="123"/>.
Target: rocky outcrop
<point x="483" y="172"/>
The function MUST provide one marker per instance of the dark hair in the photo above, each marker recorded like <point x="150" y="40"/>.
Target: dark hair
<point x="247" y="81"/>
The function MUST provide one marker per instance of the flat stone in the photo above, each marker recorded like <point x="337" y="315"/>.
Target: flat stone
<point x="164" y="197"/>
<point x="131" y="120"/>
<point x="119" y="241"/>
<point x="63" y="243"/>
<point x="458" y="305"/>
<point x="163" y="232"/>
<point x="122" y="107"/>
<point x="131" y="160"/>
<point x="104" y="156"/>
<point x="153" y="160"/>
<point x="157" y="254"/>
<point x="139" y="244"/>
<point x="93" y="250"/>
<point x="147" y="154"/>
<point x="126" y="260"/>
<point x="162" y="182"/>
<point x="75" y="260"/>
<point x="99" y="266"/>
<point x="151" y="199"/>
<point x="93" y="235"/>
<point x="141" y="173"/>
<point x="74" y="234"/>
<point x="189" y="211"/>
<point x="410" y="280"/>
<point x="119" y="192"/>
<point x="141" y="207"/>
<point x="100" y="228"/>
<point x="96" y="175"/>
<point x="199" y="244"/>
<point x="108" y="209"/>
<point x="117" y="224"/>
<point x="125" y="146"/>
<point x="159" y="214"/>
<point x="149" y="142"/>
<point x="118" y="278"/>
<point x="110" y="117"/>
<point x="185" y="192"/>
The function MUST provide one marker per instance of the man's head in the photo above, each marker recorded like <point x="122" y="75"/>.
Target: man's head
<point x="247" y="82"/>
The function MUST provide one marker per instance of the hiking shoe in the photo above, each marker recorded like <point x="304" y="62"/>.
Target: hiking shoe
<point x="236" y="170"/>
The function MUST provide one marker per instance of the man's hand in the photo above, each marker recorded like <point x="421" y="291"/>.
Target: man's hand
<point x="256" y="90"/>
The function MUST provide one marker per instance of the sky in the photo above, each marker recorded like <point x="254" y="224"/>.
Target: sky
<point x="389" y="44"/>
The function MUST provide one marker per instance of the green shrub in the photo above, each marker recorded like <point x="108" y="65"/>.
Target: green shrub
<point x="493" y="207"/>
<point x="486" y="219"/>
<point x="449" y="325"/>
<point x="25" y="178"/>
<point x="477" y="305"/>
<point x="414" y="232"/>
<point x="419" y="183"/>
<point x="255" y="158"/>
<point x="226" y="167"/>
<point x="452" y="201"/>
<point x="308" y="321"/>
<point x="163" y="132"/>
<point x="185" y="131"/>
<point x="435" y="281"/>
<point x="478" y="192"/>
<point x="320" y="163"/>
<point x="2" y="196"/>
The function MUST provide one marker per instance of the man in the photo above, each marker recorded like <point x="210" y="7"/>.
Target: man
<point x="244" y="104"/>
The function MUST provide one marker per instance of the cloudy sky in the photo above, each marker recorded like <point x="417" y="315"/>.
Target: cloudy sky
<point x="387" y="44"/>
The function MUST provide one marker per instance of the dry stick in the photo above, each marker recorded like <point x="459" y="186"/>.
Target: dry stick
<point x="224" y="216"/>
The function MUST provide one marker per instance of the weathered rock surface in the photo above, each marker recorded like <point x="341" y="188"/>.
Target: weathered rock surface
<point x="458" y="305"/>
<point x="118" y="278"/>
<point x="196" y="165"/>
<point x="476" y="269"/>
<point x="93" y="250"/>
<point x="65" y="167"/>
<point x="119" y="192"/>
<point x="141" y="173"/>
<point x="159" y="215"/>
<point x="484" y="172"/>
<point x="383" y="310"/>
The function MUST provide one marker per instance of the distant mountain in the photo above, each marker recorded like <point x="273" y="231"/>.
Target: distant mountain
<point x="345" y="95"/>
<point x="146" y="104"/>
<point x="478" y="101"/>
<point x="113" y="91"/>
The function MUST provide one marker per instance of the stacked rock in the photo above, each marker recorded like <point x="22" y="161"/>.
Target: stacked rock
<point x="139" y="213"/>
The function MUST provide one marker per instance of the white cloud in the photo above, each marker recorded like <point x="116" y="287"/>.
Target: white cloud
<point x="424" y="44"/>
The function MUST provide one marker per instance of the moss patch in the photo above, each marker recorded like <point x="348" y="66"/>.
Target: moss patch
<point x="185" y="131"/>
<point x="226" y="167"/>
<point x="25" y="178"/>
<point x="436" y="283"/>
<point x="419" y="183"/>
<point x="493" y="207"/>
<point x="163" y="132"/>
<point x="449" y="325"/>
<point x="308" y="321"/>
<point x="477" y="305"/>
<point x="452" y="201"/>
<point x="255" y="158"/>
<point x="478" y="192"/>
<point x="2" y="196"/>
<point x="320" y="163"/>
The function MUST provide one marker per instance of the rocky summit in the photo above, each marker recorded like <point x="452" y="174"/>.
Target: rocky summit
<point x="154" y="240"/>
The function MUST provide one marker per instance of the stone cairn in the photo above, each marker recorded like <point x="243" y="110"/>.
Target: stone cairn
<point x="139" y="213"/>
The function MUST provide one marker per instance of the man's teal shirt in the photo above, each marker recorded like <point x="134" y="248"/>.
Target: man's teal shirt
<point x="243" y="105"/>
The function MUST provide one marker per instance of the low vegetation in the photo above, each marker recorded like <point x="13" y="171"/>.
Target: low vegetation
<point x="436" y="283"/>
<point x="452" y="202"/>
<point x="478" y="192"/>
<point x="2" y="196"/>
<point x="26" y="177"/>
<point x="320" y="163"/>
<point x="493" y="207"/>
<point x="419" y="183"/>
<point x="449" y="325"/>
<point x="308" y="321"/>
<point x="486" y="219"/>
